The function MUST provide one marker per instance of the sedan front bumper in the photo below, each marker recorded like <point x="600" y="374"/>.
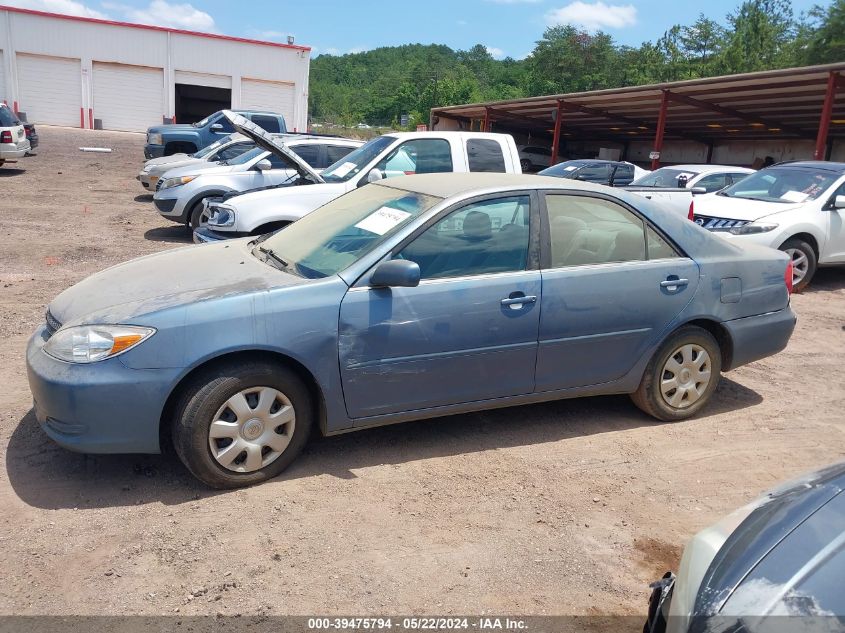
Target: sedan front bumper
<point x="102" y="407"/>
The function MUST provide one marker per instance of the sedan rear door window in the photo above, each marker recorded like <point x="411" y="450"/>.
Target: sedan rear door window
<point x="585" y="230"/>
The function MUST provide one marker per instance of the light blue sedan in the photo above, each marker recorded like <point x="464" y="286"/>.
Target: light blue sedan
<point x="405" y="299"/>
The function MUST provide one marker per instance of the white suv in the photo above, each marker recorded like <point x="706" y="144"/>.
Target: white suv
<point x="13" y="141"/>
<point x="796" y="207"/>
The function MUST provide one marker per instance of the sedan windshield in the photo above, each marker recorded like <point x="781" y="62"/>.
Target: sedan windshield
<point x="247" y="156"/>
<point x="352" y="164"/>
<point x="663" y="177"/>
<point x="338" y="234"/>
<point x="205" y="151"/>
<point x="781" y="184"/>
<point x="564" y="169"/>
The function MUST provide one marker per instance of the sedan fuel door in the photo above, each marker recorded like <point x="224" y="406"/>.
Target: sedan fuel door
<point x="467" y="332"/>
<point x="612" y="284"/>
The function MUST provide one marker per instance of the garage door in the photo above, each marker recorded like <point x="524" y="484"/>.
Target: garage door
<point x="3" y="96"/>
<point x="51" y="89"/>
<point x="272" y="96"/>
<point x="128" y="98"/>
<point x="203" y="79"/>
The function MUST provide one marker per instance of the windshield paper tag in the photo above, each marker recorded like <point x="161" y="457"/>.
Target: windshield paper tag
<point x="344" y="169"/>
<point x="382" y="220"/>
<point x="569" y="168"/>
<point x="794" y="196"/>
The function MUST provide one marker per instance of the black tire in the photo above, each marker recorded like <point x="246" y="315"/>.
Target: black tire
<point x="195" y="216"/>
<point x="525" y="164"/>
<point x="204" y="397"/>
<point x="810" y="259"/>
<point x="649" y="397"/>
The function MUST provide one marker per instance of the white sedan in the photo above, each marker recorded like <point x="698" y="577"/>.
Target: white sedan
<point x="796" y="207"/>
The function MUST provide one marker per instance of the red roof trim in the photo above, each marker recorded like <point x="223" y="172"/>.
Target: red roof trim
<point x="150" y="27"/>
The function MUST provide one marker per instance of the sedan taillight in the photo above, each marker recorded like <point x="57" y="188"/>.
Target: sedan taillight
<point x="6" y="137"/>
<point x="787" y="277"/>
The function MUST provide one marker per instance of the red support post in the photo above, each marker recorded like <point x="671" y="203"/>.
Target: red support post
<point x="661" y="126"/>
<point x="556" y="140"/>
<point x="827" y="112"/>
<point x="485" y="127"/>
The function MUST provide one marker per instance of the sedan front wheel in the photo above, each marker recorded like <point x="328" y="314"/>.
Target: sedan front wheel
<point x="681" y="376"/>
<point x="242" y="424"/>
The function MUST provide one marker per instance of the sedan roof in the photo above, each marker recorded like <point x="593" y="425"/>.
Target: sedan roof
<point x="694" y="240"/>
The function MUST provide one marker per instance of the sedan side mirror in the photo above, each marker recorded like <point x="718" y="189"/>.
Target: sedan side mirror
<point x="839" y="202"/>
<point x="697" y="191"/>
<point x="216" y="127"/>
<point x="396" y="273"/>
<point x="263" y="165"/>
<point x="375" y="175"/>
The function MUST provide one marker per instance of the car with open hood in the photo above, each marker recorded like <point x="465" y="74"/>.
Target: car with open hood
<point x="796" y="207"/>
<point x="408" y="298"/>
<point x="180" y="193"/>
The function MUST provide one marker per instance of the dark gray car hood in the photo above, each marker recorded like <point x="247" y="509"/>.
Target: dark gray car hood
<point x="165" y="280"/>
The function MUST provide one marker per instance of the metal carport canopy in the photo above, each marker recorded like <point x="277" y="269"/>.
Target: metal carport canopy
<point x="790" y="103"/>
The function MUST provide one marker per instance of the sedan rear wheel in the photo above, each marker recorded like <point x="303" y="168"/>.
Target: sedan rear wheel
<point x="681" y="376"/>
<point x="242" y="423"/>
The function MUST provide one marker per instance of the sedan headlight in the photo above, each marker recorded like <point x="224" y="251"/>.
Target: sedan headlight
<point x="752" y="229"/>
<point x="221" y="215"/>
<point x="91" y="343"/>
<point x="176" y="182"/>
<point x="154" y="139"/>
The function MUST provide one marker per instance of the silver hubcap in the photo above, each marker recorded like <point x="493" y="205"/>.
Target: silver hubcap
<point x="252" y="429"/>
<point x="685" y="376"/>
<point x="800" y="265"/>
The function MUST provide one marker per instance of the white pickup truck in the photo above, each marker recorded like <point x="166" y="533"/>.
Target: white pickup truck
<point x="396" y="154"/>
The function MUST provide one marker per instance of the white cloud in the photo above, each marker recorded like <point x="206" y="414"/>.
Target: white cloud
<point x="594" y="16"/>
<point x="65" y="7"/>
<point x="174" y="15"/>
<point x="358" y="49"/>
<point x="496" y="53"/>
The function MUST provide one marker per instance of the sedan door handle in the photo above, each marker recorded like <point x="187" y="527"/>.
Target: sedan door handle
<point x="514" y="301"/>
<point x="674" y="283"/>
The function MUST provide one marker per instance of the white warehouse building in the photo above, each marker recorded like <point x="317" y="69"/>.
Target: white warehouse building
<point x="83" y="72"/>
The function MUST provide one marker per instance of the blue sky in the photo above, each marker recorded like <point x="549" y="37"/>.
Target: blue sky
<point x="505" y="27"/>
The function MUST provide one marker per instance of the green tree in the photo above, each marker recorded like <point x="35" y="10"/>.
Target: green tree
<point x="702" y="43"/>
<point x="825" y="41"/>
<point x="759" y="36"/>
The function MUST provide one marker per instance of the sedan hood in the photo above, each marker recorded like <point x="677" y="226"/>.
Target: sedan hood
<point x="716" y="206"/>
<point x="165" y="280"/>
<point x="168" y="160"/>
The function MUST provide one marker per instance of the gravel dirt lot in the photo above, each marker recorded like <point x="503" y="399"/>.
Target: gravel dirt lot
<point x="562" y="508"/>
